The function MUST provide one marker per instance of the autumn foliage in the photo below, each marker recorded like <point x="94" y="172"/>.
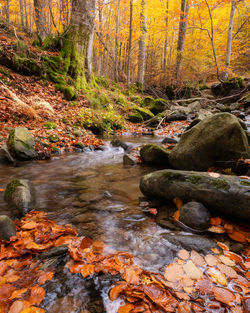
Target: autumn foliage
<point x="218" y="281"/>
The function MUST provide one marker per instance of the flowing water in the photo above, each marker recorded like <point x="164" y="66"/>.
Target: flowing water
<point x="100" y="196"/>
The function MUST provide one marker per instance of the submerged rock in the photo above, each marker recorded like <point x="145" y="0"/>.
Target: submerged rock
<point x="20" y="195"/>
<point x="227" y="195"/>
<point x="5" y="156"/>
<point x="21" y="144"/>
<point x="119" y="143"/>
<point x="154" y="155"/>
<point x="129" y="159"/>
<point x="7" y="228"/>
<point x="198" y="243"/>
<point x="195" y="215"/>
<point x="217" y="141"/>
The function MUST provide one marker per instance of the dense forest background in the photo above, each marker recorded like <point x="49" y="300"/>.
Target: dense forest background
<point x="157" y="42"/>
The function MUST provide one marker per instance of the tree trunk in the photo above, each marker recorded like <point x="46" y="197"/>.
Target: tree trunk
<point x="21" y="12"/>
<point x="116" y="40"/>
<point x="230" y="32"/>
<point x="39" y="7"/>
<point x="182" y="35"/>
<point x="142" y="44"/>
<point x="7" y="11"/>
<point x="166" y="40"/>
<point x="78" y="42"/>
<point x="130" y="40"/>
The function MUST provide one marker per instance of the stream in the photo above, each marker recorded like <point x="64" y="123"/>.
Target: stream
<point x="100" y="196"/>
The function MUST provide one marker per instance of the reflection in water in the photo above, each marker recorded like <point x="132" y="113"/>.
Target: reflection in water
<point x="97" y="194"/>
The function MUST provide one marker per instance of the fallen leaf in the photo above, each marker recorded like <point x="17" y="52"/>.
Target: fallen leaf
<point x="183" y="254"/>
<point x="19" y="306"/>
<point x="211" y="260"/>
<point x="34" y="309"/>
<point x="225" y="260"/>
<point x="37" y="295"/>
<point x="217" y="229"/>
<point x="87" y="270"/>
<point x="219" y="277"/>
<point x="45" y="276"/>
<point x="178" y="202"/>
<point x="117" y="289"/>
<point x="214" y="175"/>
<point x="126" y="308"/>
<point x="192" y="270"/>
<point x="238" y="236"/>
<point x="174" y="272"/>
<point x="215" y="221"/>
<point x="223" y="295"/>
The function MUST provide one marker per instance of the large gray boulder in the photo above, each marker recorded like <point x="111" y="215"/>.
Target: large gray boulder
<point x="7" y="228"/>
<point x="154" y="155"/>
<point x="20" y="196"/>
<point x="217" y="141"/>
<point x="226" y="194"/>
<point x="21" y="144"/>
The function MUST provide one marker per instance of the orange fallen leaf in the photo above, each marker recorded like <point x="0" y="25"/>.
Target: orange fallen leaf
<point x="217" y="275"/>
<point x="153" y="211"/>
<point x="19" y="306"/>
<point x="238" y="236"/>
<point x="215" y="221"/>
<point x="178" y="202"/>
<point x="126" y="308"/>
<point x="174" y="272"/>
<point x="223" y="295"/>
<point x="217" y="229"/>
<point x="87" y="270"/>
<point x="18" y="293"/>
<point x="1" y="189"/>
<point x="37" y="295"/>
<point x="117" y="289"/>
<point x="176" y="215"/>
<point x="222" y="245"/>
<point x="183" y="254"/>
<point x="45" y="276"/>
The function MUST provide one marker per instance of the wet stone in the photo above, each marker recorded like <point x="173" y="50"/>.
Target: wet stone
<point x="7" y="228"/>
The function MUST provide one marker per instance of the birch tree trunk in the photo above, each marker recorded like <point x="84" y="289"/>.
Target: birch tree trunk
<point x="40" y="19"/>
<point x="142" y="44"/>
<point x="230" y="33"/>
<point x="130" y="41"/>
<point x="78" y="42"/>
<point x="181" y="36"/>
<point x="116" y="40"/>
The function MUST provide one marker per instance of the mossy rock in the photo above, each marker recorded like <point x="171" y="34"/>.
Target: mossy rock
<point x="21" y="144"/>
<point x="170" y="92"/>
<point x="50" y="125"/>
<point x="155" y="155"/>
<point x="26" y="66"/>
<point x="80" y="145"/>
<point x="135" y="118"/>
<point x="121" y="100"/>
<point x="20" y="196"/>
<point x="147" y="101"/>
<point x="69" y="93"/>
<point x="53" y="138"/>
<point x="158" y="106"/>
<point x="227" y="88"/>
<point x="226" y="195"/>
<point x="145" y="113"/>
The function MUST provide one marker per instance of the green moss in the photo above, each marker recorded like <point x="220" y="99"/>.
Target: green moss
<point x="245" y="183"/>
<point x="4" y="72"/>
<point x="145" y="113"/>
<point x="195" y="179"/>
<point x="73" y="104"/>
<point x="220" y="183"/>
<point x="136" y="99"/>
<point x="26" y="66"/>
<point x="53" y="138"/>
<point x="147" y="101"/>
<point x="172" y="175"/>
<point x="10" y="188"/>
<point x="135" y="118"/>
<point x="203" y="87"/>
<point x="69" y="93"/>
<point x="121" y="100"/>
<point x="101" y="81"/>
<point x="50" y="125"/>
<point x="80" y="145"/>
<point x="158" y="106"/>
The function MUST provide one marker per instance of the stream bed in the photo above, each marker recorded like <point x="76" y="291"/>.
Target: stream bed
<point x="100" y="196"/>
